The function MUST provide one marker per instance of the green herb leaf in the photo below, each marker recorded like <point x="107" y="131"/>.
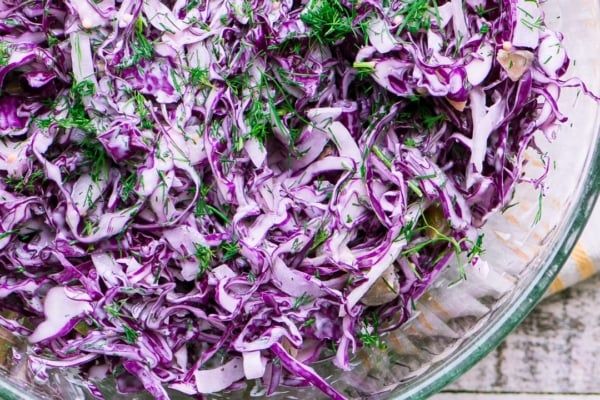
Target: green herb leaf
<point x="142" y="110"/>
<point x="477" y="248"/>
<point x="320" y="237"/>
<point x="191" y="5"/>
<point x="538" y="213"/>
<point x="27" y="183"/>
<point x="128" y="186"/>
<point x="205" y="257"/>
<point x="141" y="48"/>
<point x="302" y="300"/>
<point x="369" y="333"/>
<point x="52" y="40"/>
<point x="114" y="309"/>
<point x="329" y="21"/>
<point x="4" y="53"/>
<point x="230" y="250"/>
<point x="6" y="234"/>
<point x="130" y="335"/>
<point x="309" y="322"/>
<point x="199" y="77"/>
<point x="257" y="119"/>
<point x="417" y="15"/>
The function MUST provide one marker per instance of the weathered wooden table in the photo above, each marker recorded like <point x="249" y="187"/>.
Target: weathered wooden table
<point x="554" y="354"/>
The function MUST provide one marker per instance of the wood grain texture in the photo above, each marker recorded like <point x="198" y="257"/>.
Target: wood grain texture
<point x="514" y="396"/>
<point x="556" y="350"/>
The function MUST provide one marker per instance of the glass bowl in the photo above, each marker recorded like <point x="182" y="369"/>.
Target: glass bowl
<point x="454" y="326"/>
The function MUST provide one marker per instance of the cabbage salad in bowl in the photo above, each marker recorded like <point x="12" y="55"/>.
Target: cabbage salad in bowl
<point x="207" y="196"/>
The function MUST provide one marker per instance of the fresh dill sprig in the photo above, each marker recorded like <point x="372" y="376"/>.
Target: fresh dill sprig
<point x="6" y="234"/>
<point x="257" y="119"/>
<point x="82" y="89"/>
<point x="95" y="155"/>
<point x="142" y="110"/>
<point x="482" y="11"/>
<point x="26" y="183"/>
<point x="533" y="24"/>
<point x="538" y="213"/>
<point x="88" y="227"/>
<point x="114" y="309"/>
<point x="77" y="117"/>
<point x="52" y="40"/>
<point x="201" y="208"/>
<point x="369" y="333"/>
<point x="237" y="83"/>
<point x="320" y="237"/>
<point x="417" y="15"/>
<point x="199" y="77"/>
<point x="4" y="53"/>
<point x="128" y="186"/>
<point x="141" y="47"/>
<point x="230" y="250"/>
<point x="301" y="300"/>
<point x="431" y="120"/>
<point x="476" y="249"/>
<point x="191" y="5"/>
<point x="205" y="256"/>
<point x="329" y="21"/>
<point x="130" y="335"/>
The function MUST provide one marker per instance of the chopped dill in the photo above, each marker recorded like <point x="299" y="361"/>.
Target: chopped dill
<point x="230" y="250"/>
<point x="199" y="77"/>
<point x="329" y="21"/>
<point x="257" y="119"/>
<point x="130" y="335"/>
<point x="320" y="237"/>
<point x="369" y="333"/>
<point x="141" y="47"/>
<point x="191" y="5"/>
<point x="309" y="322"/>
<point x="302" y="300"/>
<point x="205" y="256"/>
<point x="52" y="40"/>
<point x="201" y="208"/>
<point x="4" y="53"/>
<point x="114" y="309"/>
<point x="538" y="213"/>
<point x="417" y="15"/>
<point x="476" y="249"/>
<point x="142" y="110"/>
<point x="128" y="186"/>
<point x="26" y="183"/>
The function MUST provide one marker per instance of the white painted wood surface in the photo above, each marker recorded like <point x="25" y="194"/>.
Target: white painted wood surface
<point x="514" y="396"/>
<point x="554" y="354"/>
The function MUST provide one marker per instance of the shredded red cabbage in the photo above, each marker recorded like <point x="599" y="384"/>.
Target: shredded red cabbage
<point x="196" y="193"/>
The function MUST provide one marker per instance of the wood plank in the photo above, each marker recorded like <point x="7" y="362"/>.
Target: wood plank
<point x="556" y="350"/>
<point x="513" y="396"/>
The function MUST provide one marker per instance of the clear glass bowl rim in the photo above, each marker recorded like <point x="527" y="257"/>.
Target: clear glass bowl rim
<point x="498" y="328"/>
